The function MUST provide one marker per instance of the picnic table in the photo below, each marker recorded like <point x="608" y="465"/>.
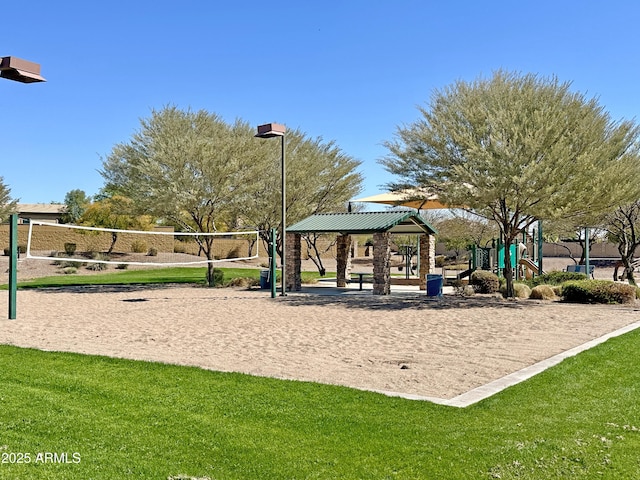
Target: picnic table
<point x="361" y="276"/>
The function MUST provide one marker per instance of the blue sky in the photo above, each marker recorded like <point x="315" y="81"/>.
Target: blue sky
<point x="349" y="71"/>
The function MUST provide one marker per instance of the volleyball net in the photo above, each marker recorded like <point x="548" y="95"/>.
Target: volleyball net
<point x="161" y="246"/>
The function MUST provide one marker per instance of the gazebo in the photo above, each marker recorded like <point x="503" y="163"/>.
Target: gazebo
<point x="378" y="224"/>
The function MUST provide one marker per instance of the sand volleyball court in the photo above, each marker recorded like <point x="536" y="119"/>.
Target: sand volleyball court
<point x="405" y="344"/>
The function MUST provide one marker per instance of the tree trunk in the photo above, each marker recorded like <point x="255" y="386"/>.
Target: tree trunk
<point x="210" y="279"/>
<point x="312" y="245"/>
<point x="208" y="250"/>
<point x="626" y="249"/>
<point x="627" y="273"/>
<point x="114" y="239"/>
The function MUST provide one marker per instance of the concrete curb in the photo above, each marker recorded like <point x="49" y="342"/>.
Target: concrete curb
<point x="491" y="388"/>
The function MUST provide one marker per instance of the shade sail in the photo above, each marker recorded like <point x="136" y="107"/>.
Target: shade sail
<point x="412" y="198"/>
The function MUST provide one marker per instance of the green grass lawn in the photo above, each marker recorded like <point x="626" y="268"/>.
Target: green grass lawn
<point x="128" y="419"/>
<point x="188" y="275"/>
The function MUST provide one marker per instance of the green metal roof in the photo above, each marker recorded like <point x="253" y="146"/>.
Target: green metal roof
<point x="404" y="222"/>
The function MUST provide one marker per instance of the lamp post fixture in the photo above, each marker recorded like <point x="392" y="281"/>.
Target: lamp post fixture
<point x="270" y="130"/>
<point x="23" y="71"/>
<point x="18" y="70"/>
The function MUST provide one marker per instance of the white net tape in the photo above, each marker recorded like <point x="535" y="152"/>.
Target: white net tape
<point x="161" y="246"/>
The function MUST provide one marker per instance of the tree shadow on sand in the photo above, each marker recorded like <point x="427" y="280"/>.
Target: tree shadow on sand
<point x="105" y="288"/>
<point x="410" y="302"/>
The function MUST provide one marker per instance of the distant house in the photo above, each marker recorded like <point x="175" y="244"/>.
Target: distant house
<point x="43" y="212"/>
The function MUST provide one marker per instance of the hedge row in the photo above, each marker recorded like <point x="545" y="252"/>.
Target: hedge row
<point x="598" y="291"/>
<point x="572" y="287"/>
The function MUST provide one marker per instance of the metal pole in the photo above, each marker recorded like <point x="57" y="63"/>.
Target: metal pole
<point x="540" y="246"/>
<point x="272" y="265"/>
<point x="586" y="251"/>
<point x="284" y="220"/>
<point x="13" y="264"/>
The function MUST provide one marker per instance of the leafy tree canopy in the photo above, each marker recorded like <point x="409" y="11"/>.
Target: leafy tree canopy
<point x="458" y="232"/>
<point x="196" y="170"/>
<point x="115" y="212"/>
<point x="517" y="148"/>
<point x="76" y="203"/>
<point x="7" y="205"/>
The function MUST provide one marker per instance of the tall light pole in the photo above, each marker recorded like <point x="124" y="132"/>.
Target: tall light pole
<point x="270" y="130"/>
<point x="22" y="71"/>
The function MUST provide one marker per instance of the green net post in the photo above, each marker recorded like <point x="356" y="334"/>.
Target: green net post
<point x="272" y="264"/>
<point x="540" y="247"/>
<point x="13" y="264"/>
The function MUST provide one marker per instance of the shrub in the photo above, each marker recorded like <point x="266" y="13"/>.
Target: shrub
<point x="555" y="278"/>
<point x="96" y="267"/>
<point x="468" y="291"/>
<point x="138" y="246"/>
<point x="543" y="292"/>
<point x="598" y="291"/>
<point x="218" y="276"/>
<point x="21" y="249"/>
<point x="244" y="282"/>
<point x="458" y="286"/>
<point x="179" y="247"/>
<point x="308" y="278"/>
<point x="520" y="290"/>
<point x="71" y="264"/>
<point x="485" y="282"/>
<point x="234" y="252"/>
<point x="440" y="259"/>
<point x="70" y="248"/>
<point x="153" y="252"/>
<point x="122" y="266"/>
<point x="69" y="270"/>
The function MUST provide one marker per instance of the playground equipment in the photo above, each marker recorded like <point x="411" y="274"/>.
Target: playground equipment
<point x="493" y="258"/>
<point x="530" y="268"/>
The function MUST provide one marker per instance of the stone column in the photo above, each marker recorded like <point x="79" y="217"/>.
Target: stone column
<point x="294" y="262"/>
<point x="343" y="247"/>
<point x="427" y="258"/>
<point x="381" y="263"/>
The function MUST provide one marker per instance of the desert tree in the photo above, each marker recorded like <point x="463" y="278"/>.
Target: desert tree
<point x="563" y="231"/>
<point x="202" y="174"/>
<point x="320" y="178"/>
<point x="76" y="203"/>
<point x="462" y="229"/>
<point x="7" y="204"/>
<point x="515" y="149"/>
<point x="184" y="166"/>
<point x="623" y="229"/>
<point x="115" y="212"/>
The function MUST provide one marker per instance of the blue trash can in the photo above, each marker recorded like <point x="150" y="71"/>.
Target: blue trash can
<point x="265" y="281"/>
<point x="434" y="285"/>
